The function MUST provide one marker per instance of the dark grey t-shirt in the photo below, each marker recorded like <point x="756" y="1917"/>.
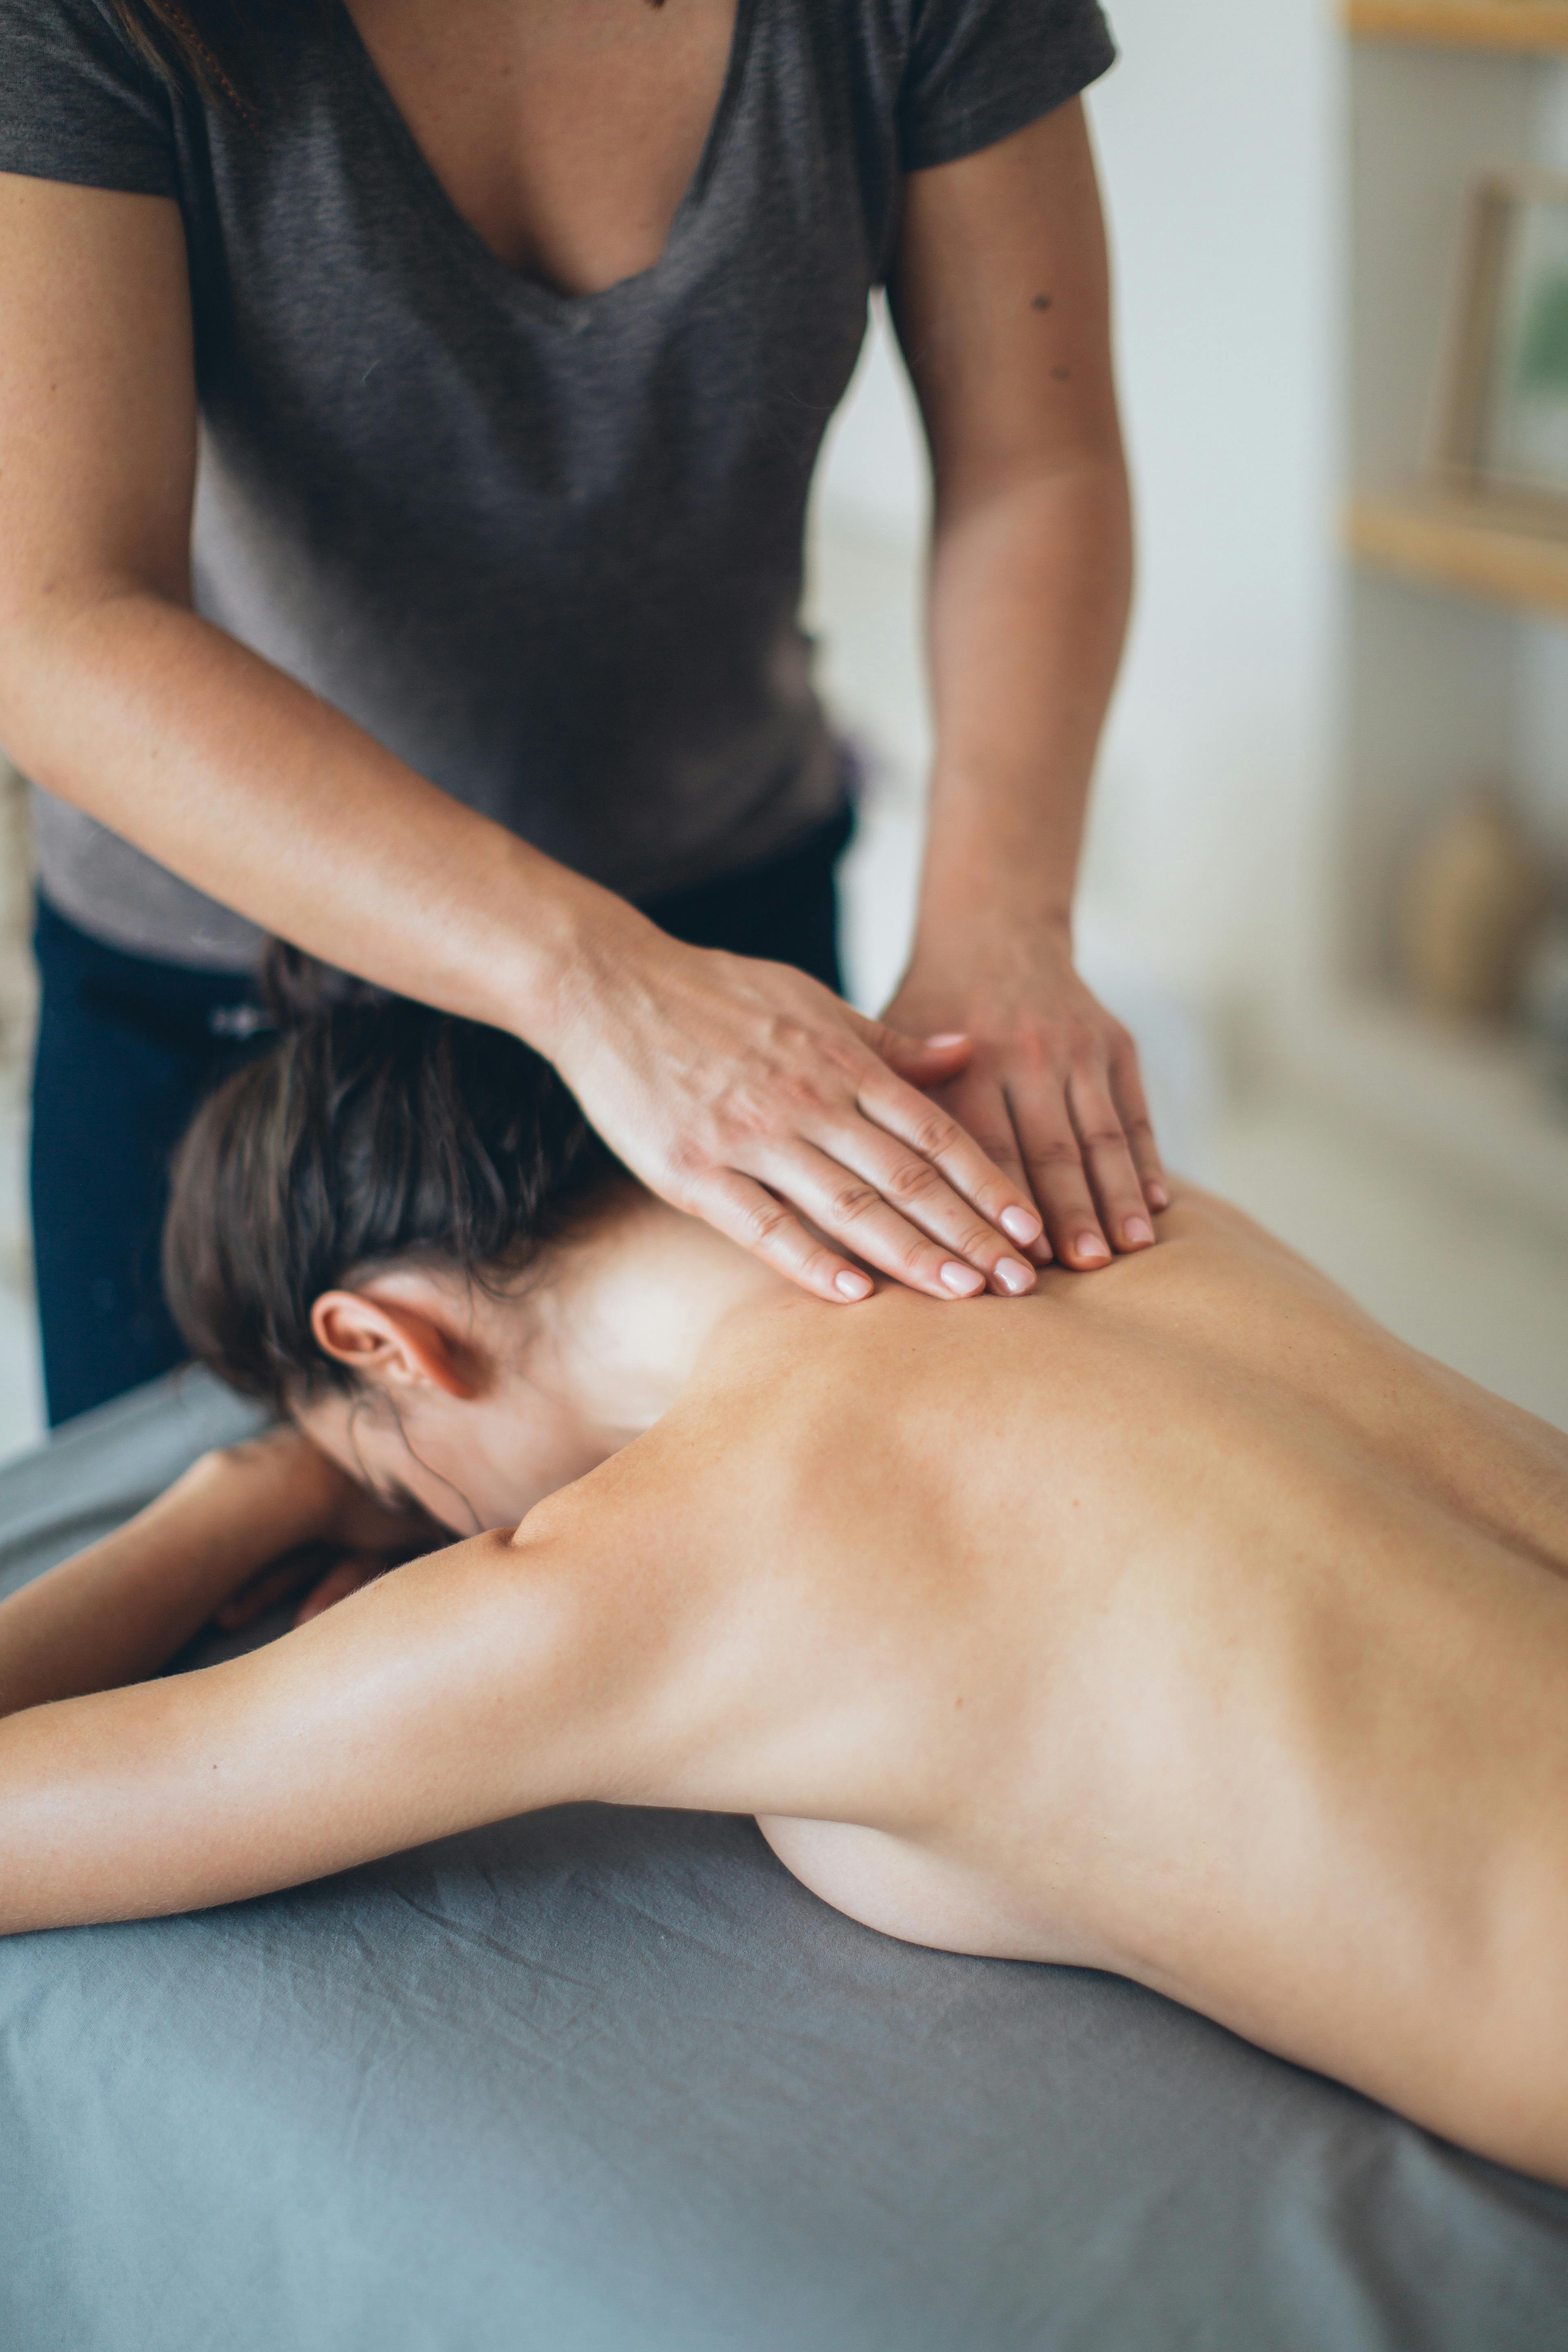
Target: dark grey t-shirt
<point x="546" y="549"/>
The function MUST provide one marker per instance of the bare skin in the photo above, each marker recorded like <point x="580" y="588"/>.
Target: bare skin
<point x="565" y="132"/>
<point x="1181" y="1624"/>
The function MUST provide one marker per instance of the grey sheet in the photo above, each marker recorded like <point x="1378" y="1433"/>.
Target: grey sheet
<point x="611" y="2082"/>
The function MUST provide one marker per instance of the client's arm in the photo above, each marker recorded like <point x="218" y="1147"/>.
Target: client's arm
<point x="470" y="1684"/>
<point x="119" y="1609"/>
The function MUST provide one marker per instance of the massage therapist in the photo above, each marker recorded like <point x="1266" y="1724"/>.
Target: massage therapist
<point x="407" y="410"/>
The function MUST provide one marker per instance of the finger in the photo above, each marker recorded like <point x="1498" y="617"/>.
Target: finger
<point x="923" y="1061"/>
<point x="849" y="1203"/>
<point x="932" y="1132"/>
<point x="349" y="1576"/>
<point x="1054" y="1162"/>
<point x="749" y="1214"/>
<point x="1133" y="1109"/>
<point x="917" y="1194"/>
<point x="980" y="1106"/>
<point x="1113" y="1178"/>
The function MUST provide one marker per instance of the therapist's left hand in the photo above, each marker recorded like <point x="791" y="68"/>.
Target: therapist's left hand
<point x="1053" y="1093"/>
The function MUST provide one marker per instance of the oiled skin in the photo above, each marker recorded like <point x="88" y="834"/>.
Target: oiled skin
<point x="1176" y="1621"/>
<point x="1180" y="1622"/>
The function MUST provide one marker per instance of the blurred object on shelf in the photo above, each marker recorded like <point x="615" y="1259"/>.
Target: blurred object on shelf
<point x="1502" y="430"/>
<point x="1475" y="899"/>
<point x="1543" y="1001"/>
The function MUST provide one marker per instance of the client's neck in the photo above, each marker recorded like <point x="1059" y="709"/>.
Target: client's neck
<point x="625" y="1313"/>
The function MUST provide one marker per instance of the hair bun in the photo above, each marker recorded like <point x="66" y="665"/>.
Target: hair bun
<point x="298" y="989"/>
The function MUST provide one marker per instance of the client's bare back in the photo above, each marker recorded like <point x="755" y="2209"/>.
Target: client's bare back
<point x="1181" y="1623"/>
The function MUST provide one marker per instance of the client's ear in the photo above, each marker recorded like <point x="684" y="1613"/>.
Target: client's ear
<point x="385" y="1341"/>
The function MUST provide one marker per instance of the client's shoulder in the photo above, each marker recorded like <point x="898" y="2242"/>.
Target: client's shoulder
<point x="1196" y="1214"/>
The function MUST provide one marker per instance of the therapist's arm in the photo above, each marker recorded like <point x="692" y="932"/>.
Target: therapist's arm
<point x="744" y="1093"/>
<point x="1002" y="306"/>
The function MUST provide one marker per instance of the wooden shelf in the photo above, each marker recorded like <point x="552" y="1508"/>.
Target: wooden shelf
<point x="1474" y="551"/>
<point x="1522" y="25"/>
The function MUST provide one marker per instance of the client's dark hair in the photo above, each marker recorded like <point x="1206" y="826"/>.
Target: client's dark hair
<point x="372" y="1132"/>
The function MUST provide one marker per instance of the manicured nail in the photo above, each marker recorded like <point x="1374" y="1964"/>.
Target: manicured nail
<point x="962" y="1280"/>
<point x="1012" y="1277"/>
<point x="949" y="1037"/>
<point x="1091" y="1246"/>
<point x="1138" y="1230"/>
<point x="1021" y="1225"/>
<point x="851" y="1285"/>
<point x="1156" y="1194"/>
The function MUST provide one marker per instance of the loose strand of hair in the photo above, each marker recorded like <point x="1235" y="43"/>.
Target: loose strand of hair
<point x="202" y="45"/>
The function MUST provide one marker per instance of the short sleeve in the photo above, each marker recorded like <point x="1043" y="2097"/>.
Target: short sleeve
<point x="979" y="69"/>
<point x="77" y="102"/>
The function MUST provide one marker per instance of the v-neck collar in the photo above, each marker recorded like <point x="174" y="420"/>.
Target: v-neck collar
<point x="524" y="286"/>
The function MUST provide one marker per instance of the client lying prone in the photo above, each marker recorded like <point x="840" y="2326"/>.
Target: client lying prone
<point x="1178" y="1623"/>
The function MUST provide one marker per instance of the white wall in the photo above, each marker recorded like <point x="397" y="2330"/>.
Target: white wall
<point x="1218" y="140"/>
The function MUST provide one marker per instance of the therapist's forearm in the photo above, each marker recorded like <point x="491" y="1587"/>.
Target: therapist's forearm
<point x="241" y="780"/>
<point x="732" y="1088"/>
<point x="1030" y="587"/>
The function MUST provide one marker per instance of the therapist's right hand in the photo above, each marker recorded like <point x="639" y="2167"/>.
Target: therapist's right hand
<point x="749" y="1095"/>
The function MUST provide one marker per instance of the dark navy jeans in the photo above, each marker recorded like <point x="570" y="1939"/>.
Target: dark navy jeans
<point x="128" y="1048"/>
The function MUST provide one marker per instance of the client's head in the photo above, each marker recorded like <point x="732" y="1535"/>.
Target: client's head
<point x="354" y="1215"/>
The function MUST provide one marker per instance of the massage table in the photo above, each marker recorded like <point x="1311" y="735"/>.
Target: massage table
<point x="604" y="2081"/>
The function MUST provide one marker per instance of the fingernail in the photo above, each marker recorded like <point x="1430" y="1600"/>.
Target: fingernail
<point x="1158" y="1198"/>
<point x="1020" y="1225"/>
<point x="949" y="1037"/>
<point x="852" y="1286"/>
<point x="962" y="1280"/>
<point x="1138" y="1230"/>
<point x="1091" y="1246"/>
<point x="1013" y="1276"/>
